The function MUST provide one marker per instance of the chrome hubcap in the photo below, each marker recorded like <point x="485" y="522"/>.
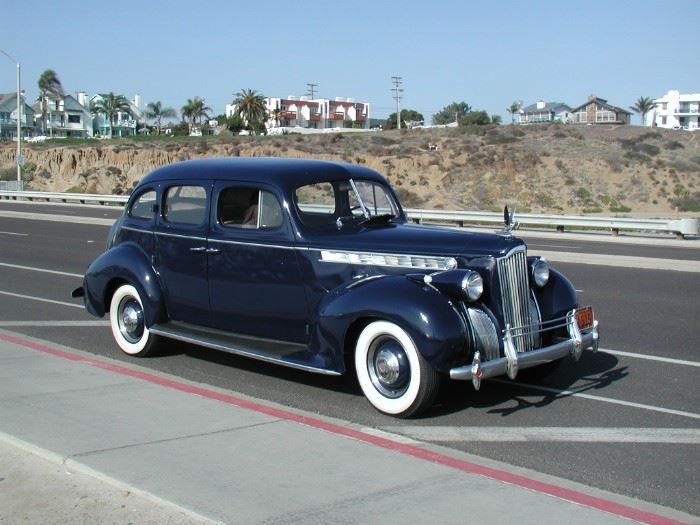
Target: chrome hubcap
<point x="131" y="320"/>
<point x="388" y="367"/>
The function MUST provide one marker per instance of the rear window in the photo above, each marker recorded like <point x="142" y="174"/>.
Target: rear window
<point x="249" y="208"/>
<point x="185" y="204"/>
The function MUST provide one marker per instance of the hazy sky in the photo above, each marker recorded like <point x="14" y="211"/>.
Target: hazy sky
<point x="487" y="53"/>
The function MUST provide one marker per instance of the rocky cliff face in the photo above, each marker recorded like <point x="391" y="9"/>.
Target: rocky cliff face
<point x="543" y="169"/>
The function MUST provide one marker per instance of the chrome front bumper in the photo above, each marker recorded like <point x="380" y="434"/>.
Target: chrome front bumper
<point x="514" y="361"/>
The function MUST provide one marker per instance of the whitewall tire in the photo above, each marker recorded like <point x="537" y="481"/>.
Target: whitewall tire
<point x="127" y="319"/>
<point x="392" y="373"/>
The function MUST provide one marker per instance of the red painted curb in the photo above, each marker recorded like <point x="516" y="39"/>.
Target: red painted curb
<point x="574" y="496"/>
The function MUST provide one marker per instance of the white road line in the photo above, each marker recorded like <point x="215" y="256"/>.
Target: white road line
<point x="651" y="357"/>
<point x="41" y="299"/>
<point x="42" y="270"/>
<point x="622" y="261"/>
<point x="686" y="436"/>
<point x="570" y="393"/>
<point x="60" y="324"/>
<point x="92" y="221"/>
<point x="15" y="233"/>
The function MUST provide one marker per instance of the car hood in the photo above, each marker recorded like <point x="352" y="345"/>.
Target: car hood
<point x="415" y="239"/>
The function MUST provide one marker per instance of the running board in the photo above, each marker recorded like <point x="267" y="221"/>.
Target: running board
<point x="276" y="352"/>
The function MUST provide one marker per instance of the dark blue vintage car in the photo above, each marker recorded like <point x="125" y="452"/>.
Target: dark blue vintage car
<point x="313" y="265"/>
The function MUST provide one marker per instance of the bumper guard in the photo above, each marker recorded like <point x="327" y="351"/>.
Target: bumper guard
<point x="515" y="361"/>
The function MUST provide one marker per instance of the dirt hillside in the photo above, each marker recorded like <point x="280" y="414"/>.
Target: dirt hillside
<point x="542" y="169"/>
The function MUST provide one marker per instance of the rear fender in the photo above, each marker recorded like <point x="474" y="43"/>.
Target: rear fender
<point x="123" y="263"/>
<point x="429" y="317"/>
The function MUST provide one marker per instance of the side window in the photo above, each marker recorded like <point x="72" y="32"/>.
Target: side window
<point x="249" y="208"/>
<point x="185" y="204"/>
<point x="316" y="203"/>
<point x="142" y="207"/>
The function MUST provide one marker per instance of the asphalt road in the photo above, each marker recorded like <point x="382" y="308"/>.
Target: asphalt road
<point x="631" y="413"/>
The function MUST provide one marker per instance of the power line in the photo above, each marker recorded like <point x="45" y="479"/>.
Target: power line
<point x="397" y="81"/>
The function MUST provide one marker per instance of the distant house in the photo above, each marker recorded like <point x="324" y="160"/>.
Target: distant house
<point x="66" y="117"/>
<point x="545" y="112"/>
<point x="8" y="117"/>
<point x="597" y="111"/>
<point x="125" y="123"/>
<point x="676" y="110"/>
<point x="319" y="113"/>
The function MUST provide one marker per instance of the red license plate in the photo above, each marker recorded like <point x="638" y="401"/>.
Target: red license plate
<point x="584" y="317"/>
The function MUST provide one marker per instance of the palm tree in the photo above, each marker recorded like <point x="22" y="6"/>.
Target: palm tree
<point x="194" y="109"/>
<point x="110" y="105"/>
<point x="643" y="106"/>
<point x="156" y="111"/>
<point x="250" y="106"/>
<point x="49" y="87"/>
<point x="513" y="109"/>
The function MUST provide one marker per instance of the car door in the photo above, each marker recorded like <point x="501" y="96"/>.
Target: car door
<point x="181" y="250"/>
<point x="255" y="284"/>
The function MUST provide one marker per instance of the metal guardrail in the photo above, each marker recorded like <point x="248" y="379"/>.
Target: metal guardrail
<point x="679" y="227"/>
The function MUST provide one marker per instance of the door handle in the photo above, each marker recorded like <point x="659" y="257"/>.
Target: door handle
<point x="213" y="250"/>
<point x="198" y="249"/>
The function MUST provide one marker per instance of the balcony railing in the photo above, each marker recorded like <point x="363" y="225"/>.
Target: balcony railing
<point x="687" y="111"/>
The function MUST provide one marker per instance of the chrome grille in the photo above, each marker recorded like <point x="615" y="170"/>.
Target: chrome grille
<point x="515" y="298"/>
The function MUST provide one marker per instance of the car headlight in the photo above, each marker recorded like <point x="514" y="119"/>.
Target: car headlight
<point x="472" y="285"/>
<point x="463" y="285"/>
<point x="540" y="272"/>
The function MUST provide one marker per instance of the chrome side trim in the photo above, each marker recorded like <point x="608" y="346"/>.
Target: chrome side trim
<point x="393" y="260"/>
<point x="238" y="345"/>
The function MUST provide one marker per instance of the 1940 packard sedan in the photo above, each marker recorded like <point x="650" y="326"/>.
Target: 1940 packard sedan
<point x="313" y="265"/>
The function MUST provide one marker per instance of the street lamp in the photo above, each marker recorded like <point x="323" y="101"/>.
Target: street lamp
<point x="19" y="158"/>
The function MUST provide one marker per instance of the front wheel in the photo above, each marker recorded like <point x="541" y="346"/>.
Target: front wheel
<point x="127" y="320"/>
<point x="392" y="373"/>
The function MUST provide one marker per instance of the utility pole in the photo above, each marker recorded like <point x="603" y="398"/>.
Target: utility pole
<point x="312" y="88"/>
<point x="19" y="159"/>
<point x="397" y="81"/>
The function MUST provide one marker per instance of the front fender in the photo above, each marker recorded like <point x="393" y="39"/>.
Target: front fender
<point x="558" y="297"/>
<point x="428" y="316"/>
<point x="125" y="262"/>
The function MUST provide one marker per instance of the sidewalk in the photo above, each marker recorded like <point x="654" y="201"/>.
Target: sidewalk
<point x="88" y="440"/>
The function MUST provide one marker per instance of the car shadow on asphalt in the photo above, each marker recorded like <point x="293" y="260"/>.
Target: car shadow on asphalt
<point x="594" y="371"/>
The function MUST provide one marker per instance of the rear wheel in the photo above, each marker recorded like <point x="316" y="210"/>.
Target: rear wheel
<point x="392" y="373"/>
<point x="127" y="319"/>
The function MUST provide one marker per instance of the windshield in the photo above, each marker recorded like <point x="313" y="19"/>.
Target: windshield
<point x="340" y="202"/>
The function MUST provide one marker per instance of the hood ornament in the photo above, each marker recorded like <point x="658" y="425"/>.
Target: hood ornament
<point x="509" y="223"/>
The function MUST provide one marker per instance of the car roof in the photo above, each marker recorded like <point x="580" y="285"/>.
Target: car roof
<point x="285" y="173"/>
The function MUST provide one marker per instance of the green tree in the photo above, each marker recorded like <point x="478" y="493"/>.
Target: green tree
<point x="407" y="115"/>
<point x="496" y="119"/>
<point x="451" y="113"/>
<point x="195" y="109"/>
<point x="514" y="108"/>
<point x="110" y="106"/>
<point x="250" y="106"/>
<point x="643" y="106"/>
<point x="49" y="88"/>
<point x="475" y="118"/>
<point x="156" y="111"/>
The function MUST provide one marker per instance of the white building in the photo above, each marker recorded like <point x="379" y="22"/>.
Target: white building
<point x="676" y="111"/>
<point x="309" y="113"/>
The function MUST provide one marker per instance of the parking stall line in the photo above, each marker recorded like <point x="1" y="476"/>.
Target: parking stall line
<point x="661" y="359"/>
<point x="42" y="270"/>
<point x="57" y="324"/>
<point x="678" y="436"/>
<point x="572" y="393"/>
<point x="41" y="299"/>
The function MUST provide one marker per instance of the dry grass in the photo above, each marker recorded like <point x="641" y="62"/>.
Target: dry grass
<point x="542" y="169"/>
